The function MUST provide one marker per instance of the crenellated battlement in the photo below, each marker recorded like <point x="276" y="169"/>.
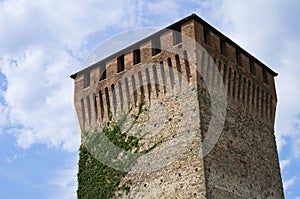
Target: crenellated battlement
<point x="248" y="82"/>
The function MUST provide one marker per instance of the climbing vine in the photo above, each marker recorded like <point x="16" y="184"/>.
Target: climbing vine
<point x="95" y="178"/>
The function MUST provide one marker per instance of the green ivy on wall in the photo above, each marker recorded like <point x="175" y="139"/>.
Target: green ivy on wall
<point x="97" y="180"/>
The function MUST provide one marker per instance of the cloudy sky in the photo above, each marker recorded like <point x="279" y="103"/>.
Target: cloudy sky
<point x="43" y="42"/>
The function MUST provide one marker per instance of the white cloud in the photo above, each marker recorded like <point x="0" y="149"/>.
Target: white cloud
<point x="296" y="149"/>
<point x="288" y="183"/>
<point x="14" y="157"/>
<point x="270" y="31"/>
<point x="29" y="23"/>
<point x="42" y="44"/>
<point x="65" y="182"/>
<point x="284" y="163"/>
<point x="39" y="97"/>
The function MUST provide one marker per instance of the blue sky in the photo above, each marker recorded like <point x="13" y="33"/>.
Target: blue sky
<point x="43" y="42"/>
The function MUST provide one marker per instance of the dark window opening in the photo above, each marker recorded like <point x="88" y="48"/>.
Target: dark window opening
<point x="121" y="64"/>
<point x="95" y="107"/>
<point x="101" y="104"/>
<point x="177" y="37"/>
<point x="82" y="113"/>
<point x="206" y="34"/>
<point x="148" y="83"/>
<point x="238" y="55"/>
<point x="156" y="49"/>
<point x="223" y="47"/>
<point x="252" y="67"/>
<point x="265" y="76"/>
<point x="87" y="79"/>
<point x="102" y="72"/>
<point x="136" y="56"/>
<point x="107" y="102"/>
<point x="114" y="98"/>
<point x="178" y="67"/>
<point x="171" y="73"/>
<point x="89" y="109"/>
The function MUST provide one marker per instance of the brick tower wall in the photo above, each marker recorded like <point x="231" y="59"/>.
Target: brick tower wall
<point x="244" y="162"/>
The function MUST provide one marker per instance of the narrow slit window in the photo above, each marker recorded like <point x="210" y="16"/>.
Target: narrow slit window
<point x="89" y="109"/>
<point x="156" y="49"/>
<point x="102" y="72"/>
<point x="95" y="107"/>
<point x="114" y="98"/>
<point x="238" y="55"/>
<point x="121" y="64"/>
<point x="136" y="56"/>
<point x="171" y="73"/>
<point x="223" y="47"/>
<point x="252" y="67"/>
<point x="265" y="76"/>
<point x="107" y="101"/>
<point x="187" y="65"/>
<point x="177" y="37"/>
<point x="178" y="67"/>
<point x="87" y="79"/>
<point x="82" y="113"/>
<point x="148" y="83"/>
<point x="101" y="104"/>
<point x="206" y="34"/>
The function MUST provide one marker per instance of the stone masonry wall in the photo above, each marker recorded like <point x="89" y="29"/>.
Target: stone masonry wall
<point x="243" y="163"/>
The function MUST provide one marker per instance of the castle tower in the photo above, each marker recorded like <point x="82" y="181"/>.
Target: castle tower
<point x="209" y="105"/>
